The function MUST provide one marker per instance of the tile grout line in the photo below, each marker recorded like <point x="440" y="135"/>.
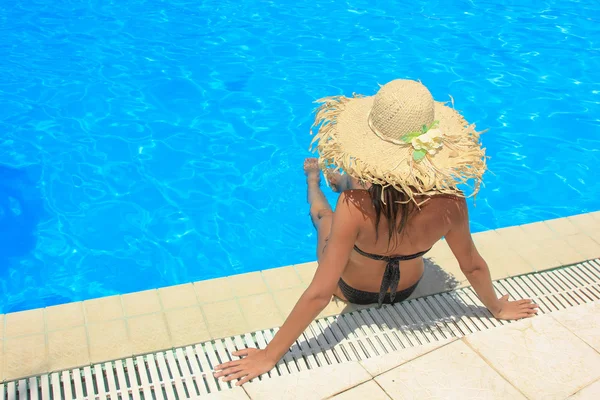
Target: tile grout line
<point x="126" y="322"/>
<point x="245" y="391"/>
<point x="87" y="333"/>
<point x="492" y="367"/>
<point x="375" y="380"/>
<point x="239" y="307"/>
<point x="361" y="383"/>
<point x="574" y="333"/>
<point x="46" y="342"/>
<point x="200" y="306"/>
<point x="381" y="387"/>
<point x="584" y="387"/>
<point x="268" y="291"/>
<point x="454" y="339"/>
<point x="163" y="312"/>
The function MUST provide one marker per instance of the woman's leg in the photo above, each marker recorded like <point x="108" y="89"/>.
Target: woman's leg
<point x="321" y="213"/>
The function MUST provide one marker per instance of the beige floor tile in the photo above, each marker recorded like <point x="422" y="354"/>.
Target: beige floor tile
<point x="25" y="356"/>
<point x="538" y="258"/>
<point x="538" y="356"/>
<point x="24" y="323"/>
<point x="490" y="240"/>
<point x="187" y="326"/>
<point x="64" y="316"/>
<point x="511" y="263"/>
<point x="515" y="237"/>
<point x="68" y="348"/>
<point x="179" y="296"/>
<point x="369" y="390"/>
<point x="453" y="370"/>
<point x="224" y="319"/>
<point x="591" y="392"/>
<point x="317" y="384"/>
<point x="380" y="364"/>
<point x="260" y="311"/>
<point x="561" y="250"/>
<point x="538" y="231"/>
<point x="584" y="245"/>
<point x="306" y="271"/>
<point x="563" y="226"/>
<point x="108" y="340"/>
<point x="236" y="393"/>
<point x="585" y="222"/>
<point x="213" y="290"/>
<point x="286" y="299"/>
<point x="440" y="250"/>
<point x="451" y="266"/>
<point x="335" y="307"/>
<point x="2" y="326"/>
<point x="595" y="214"/>
<point x="148" y="333"/>
<point x="140" y="303"/>
<point x="248" y="284"/>
<point x="103" y="309"/>
<point x="281" y="278"/>
<point x="583" y="321"/>
<point x="595" y="236"/>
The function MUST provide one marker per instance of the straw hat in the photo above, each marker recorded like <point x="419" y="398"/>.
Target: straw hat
<point x="400" y="137"/>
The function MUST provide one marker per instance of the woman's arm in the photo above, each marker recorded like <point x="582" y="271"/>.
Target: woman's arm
<point x="476" y="269"/>
<point x="343" y="235"/>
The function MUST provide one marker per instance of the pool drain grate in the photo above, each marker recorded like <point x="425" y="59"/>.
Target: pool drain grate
<point x="185" y="373"/>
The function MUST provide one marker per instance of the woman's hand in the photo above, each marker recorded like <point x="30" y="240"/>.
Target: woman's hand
<point x="254" y="364"/>
<point x="514" y="309"/>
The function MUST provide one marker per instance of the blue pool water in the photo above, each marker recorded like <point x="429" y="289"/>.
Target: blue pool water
<point x="150" y="143"/>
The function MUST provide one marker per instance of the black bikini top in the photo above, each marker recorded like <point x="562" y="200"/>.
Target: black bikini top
<point x="391" y="276"/>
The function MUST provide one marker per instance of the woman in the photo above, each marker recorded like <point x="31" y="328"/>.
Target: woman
<point x="404" y="156"/>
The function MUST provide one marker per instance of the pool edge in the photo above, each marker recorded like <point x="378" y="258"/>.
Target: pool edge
<point x="81" y="333"/>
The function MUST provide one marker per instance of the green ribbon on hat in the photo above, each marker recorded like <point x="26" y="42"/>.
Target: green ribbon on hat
<point x="418" y="155"/>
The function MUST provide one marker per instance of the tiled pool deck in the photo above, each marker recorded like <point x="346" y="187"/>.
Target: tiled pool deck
<point x="516" y="361"/>
<point x="81" y="333"/>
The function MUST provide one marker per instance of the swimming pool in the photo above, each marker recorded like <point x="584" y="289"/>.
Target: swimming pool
<point x="150" y="143"/>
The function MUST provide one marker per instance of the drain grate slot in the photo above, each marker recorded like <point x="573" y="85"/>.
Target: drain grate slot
<point x="185" y="373"/>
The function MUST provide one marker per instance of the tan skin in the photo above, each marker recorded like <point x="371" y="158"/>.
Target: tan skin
<point x="353" y="223"/>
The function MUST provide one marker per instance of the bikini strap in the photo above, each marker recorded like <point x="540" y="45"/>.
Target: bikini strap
<point x="389" y="258"/>
<point x="391" y="275"/>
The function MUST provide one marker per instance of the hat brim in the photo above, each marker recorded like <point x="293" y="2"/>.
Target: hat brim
<point x="345" y="141"/>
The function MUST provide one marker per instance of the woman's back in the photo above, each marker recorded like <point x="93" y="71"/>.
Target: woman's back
<point x="422" y="229"/>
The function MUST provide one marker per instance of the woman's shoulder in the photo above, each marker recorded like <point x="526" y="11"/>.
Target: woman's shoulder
<point x="356" y="199"/>
<point x="448" y="205"/>
<point x="355" y="196"/>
